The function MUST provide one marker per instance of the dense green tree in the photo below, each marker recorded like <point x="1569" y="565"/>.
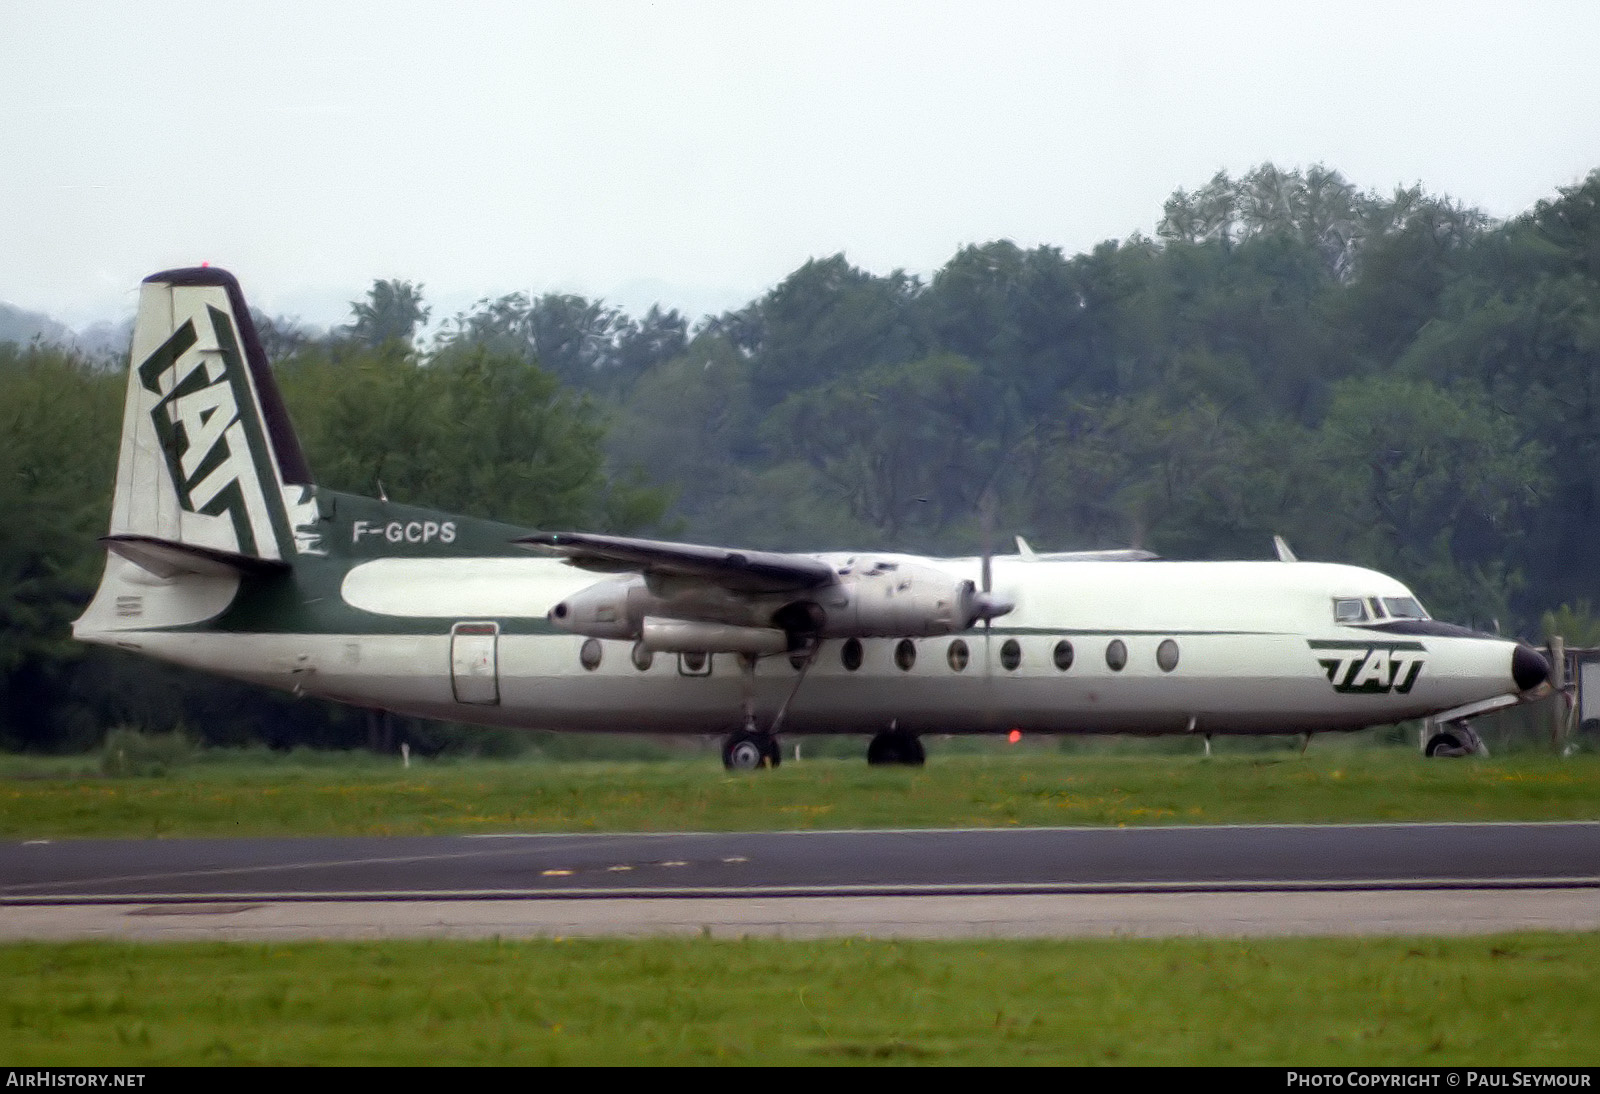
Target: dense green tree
<point x="827" y="319"/>
<point x="392" y="312"/>
<point x="572" y="337"/>
<point x="58" y="428"/>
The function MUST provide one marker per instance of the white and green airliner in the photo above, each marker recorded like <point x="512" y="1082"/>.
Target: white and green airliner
<point x="225" y="555"/>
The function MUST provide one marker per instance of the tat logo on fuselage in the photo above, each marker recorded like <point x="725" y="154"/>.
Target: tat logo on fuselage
<point x="1371" y="668"/>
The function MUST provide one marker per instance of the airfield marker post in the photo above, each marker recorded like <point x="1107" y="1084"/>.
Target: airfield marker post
<point x="1558" y="684"/>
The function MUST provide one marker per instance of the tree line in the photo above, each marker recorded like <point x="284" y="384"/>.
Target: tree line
<point x="1392" y="380"/>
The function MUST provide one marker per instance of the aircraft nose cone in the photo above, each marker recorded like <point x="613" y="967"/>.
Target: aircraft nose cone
<point x="1529" y="668"/>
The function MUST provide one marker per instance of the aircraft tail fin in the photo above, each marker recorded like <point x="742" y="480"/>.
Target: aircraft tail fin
<point x="209" y="459"/>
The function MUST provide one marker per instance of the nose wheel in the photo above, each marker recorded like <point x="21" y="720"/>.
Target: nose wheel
<point x="1456" y="739"/>
<point x="750" y="750"/>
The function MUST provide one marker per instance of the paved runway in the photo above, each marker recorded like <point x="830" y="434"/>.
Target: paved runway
<point x="971" y="861"/>
<point x="1288" y="879"/>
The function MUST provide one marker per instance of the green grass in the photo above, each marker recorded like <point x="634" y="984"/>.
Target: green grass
<point x="369" y="795"/>
<point x="1510" y="999"/>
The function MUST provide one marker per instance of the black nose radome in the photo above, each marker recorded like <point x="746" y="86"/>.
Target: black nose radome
<point x="561" y="613"/>
<point x="1529" y="668"/>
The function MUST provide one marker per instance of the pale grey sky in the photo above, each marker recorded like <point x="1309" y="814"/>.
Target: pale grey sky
<point x="700" y="151"/>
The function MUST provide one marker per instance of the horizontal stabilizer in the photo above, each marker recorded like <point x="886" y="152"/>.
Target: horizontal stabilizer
<point x="166" y="558"/>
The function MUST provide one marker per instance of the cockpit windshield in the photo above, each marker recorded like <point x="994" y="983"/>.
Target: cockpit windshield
<point x="1404" y="607"/>
<point x="1367" y="610"/>
<point x="1349" y="609"/>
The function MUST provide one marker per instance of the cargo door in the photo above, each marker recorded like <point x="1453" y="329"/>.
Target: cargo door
<point x="474" y="662"/>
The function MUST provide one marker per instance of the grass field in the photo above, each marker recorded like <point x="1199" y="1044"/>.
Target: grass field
<point x="362" y="794"/>
<point x="1510" y="999"/>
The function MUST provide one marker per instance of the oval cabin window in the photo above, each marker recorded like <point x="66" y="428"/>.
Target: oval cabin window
<point x="1167" y="655"/>
<point x="589" y="654"/>
<point x="905" y="654"/>
<point x="643" y="656"/>
<point x="850" y="655"/>
<point x="1011" y="655"/>
<point x="1063" y="655"/>
<point x="958" y="655"/>
<point x="1117" y="655"/>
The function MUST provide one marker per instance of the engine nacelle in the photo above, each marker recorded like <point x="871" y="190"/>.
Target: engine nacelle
<point x="901" y="599"/>
<point x="606" y="609"/>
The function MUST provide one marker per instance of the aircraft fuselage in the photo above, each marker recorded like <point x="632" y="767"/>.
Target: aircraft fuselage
<point x="417" y="612"/>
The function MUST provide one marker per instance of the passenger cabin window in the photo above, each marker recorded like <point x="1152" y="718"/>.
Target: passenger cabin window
<point x="1349" y="610"/>
<point x="1404" y="607"/>
<point x="1063" y="655"/>
<point x="850" y="655"/>
<point x="1010" y="655"/>
<point x="958" y="655"/>
<point x="1167" y="655"/>
<point x="589" y="654"/>
<point x="905" y="654"/>
<point x="1117" y="655"/>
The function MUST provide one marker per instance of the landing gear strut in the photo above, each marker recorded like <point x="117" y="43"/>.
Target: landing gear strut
<point x="752" y="748"/>
<point x="896" y="746"/>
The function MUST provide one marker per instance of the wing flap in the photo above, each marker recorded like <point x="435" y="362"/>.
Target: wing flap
<point x="740" y="571"/>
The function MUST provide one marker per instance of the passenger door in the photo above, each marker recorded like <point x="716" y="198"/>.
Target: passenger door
<point x="474" y="663"/>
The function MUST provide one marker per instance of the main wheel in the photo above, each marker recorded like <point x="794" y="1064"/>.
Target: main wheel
<point x="896" y="747"/>
<point x="746" y="751"/>
<point x="913" y="754"/>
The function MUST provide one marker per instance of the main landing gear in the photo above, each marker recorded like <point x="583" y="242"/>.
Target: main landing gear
<point x="896" y="746"/>
<point x="753" y="748"/>
<point x="750" y="750"/>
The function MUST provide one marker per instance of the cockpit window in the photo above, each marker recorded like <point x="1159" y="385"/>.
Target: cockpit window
<point x="1404" y="607"/>
<point x="1377" y="607"/>
<point x="1349" y="610"/>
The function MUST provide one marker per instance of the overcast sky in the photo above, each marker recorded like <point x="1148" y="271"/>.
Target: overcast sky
<point x="698" y="152"/>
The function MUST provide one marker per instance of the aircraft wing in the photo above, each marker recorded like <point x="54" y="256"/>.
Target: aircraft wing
<point x="740" y="571"/>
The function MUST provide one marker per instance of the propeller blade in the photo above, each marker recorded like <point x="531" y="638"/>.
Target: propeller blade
<point x="987" y="504"/>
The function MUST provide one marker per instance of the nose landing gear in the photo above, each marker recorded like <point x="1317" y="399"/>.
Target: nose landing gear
<point x="1455" y="739"/>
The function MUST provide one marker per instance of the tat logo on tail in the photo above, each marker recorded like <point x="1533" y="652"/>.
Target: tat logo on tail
<point x="213" y="442"/>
